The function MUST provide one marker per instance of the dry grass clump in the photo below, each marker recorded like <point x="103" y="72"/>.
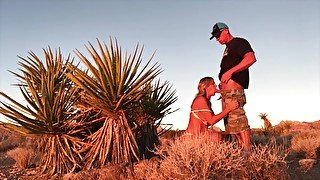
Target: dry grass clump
<point x="307" y="164"/>
<point x="24" y="157"/>
<point x="316" y="124"/>
<point x="307" y="141"/>
<point x="172" y="134"/>
<point x="9" y="140"/>
<point x="284" y="127"/>
<point x="197" y="157"/>
<point x="259" y="139"/>
<point x="271" y="136"/>
<point x="200" y="158"/>
<point x="111" y="171"/>
<point x="266" y="162"/>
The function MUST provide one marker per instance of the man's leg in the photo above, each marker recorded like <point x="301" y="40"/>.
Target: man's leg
<point x="245" y="139"/>
<point x="237" y="122"/>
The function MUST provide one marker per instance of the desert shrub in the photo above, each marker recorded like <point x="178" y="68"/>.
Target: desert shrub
<point x="111" y="171"/>
<point x="284" y="127"/>
<point x="307" y="141"/>
<point x="9" y="140"/>
<point x="192" y="158"/>
<point x="316" y="124"/>
<point x="200" y="158"/>
<point x="3" y="133"/>
<point x="171" y="134"/>
<point x="23" y="156"/>
<point x="263" y="135"/>
<point x="261" y="139"/>
<point x="266" y="162"/>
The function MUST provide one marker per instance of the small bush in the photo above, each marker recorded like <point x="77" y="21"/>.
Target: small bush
<point x="23" y="157"/>
<point x="284" y="126"/>
<point x="261" y="139"/>
<point x="111" y="171"/>
<point x="10" y="140"/>
<point x="200" y="158"/>
<point x="266" y="162"/>
<point x="307" y="141"/>
<point x="257" y="139"/>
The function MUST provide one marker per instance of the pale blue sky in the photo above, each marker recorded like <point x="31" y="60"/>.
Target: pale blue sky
<point x="285" y="35"/>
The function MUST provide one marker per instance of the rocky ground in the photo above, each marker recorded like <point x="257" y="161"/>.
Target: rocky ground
<point x="298" y="172"/>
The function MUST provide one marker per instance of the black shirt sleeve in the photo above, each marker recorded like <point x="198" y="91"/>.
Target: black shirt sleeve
<point x="244" y="47"/>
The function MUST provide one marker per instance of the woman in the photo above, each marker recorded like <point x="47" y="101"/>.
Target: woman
<point x="201" y="115"/>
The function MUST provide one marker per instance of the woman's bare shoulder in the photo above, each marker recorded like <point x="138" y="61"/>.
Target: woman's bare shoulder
<point x="199" y="102"/>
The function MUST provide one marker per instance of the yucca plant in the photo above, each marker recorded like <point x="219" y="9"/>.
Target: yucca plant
<point x="157" y="100"/>
<point x="113" y="86"/>
<point x="105" y="113"/>
<point x="48" y="114"/>
<point x="155" y="104"/>
<point x="266" y="121"/>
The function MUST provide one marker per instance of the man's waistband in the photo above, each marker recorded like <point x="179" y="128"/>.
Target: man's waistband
<point x="223" y="91"/>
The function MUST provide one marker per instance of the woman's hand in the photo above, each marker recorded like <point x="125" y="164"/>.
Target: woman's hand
<point x="232" y="105"/>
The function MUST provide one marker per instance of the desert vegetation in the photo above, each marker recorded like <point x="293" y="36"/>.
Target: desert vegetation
<point x="86" y="118"/>
<point x="201" y="158"/>
<point x="100" y="118"/>
<point x="266" y="122"/>
<point x="272" y="156"/>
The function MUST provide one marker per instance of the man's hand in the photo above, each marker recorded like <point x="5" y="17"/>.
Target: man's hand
<point x="246" y="62"/>
<point x="226" y="77"/>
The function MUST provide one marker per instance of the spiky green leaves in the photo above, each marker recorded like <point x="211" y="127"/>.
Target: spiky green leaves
<point x="89" y="118"/>
<point x="113" y="81"/>
<point x="49" y="94"/>
<point x="263" y="115"/>
<point x="157" y="99"/>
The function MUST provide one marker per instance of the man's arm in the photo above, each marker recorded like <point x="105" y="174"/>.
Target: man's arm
<point x="248" y="59"/>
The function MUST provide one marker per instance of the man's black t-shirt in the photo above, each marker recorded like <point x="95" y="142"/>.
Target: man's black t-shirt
<point x="233" y="54"/>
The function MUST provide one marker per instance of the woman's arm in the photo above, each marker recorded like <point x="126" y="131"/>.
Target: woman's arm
<point x="216" y="118"/>
<point x="210" y="117"/>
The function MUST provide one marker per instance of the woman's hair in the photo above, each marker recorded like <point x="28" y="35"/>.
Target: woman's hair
<point x="203" y="84"/>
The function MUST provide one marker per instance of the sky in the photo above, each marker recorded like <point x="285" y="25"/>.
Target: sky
<point x="284" y="34"/>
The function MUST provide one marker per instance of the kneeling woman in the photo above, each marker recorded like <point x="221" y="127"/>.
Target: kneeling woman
<point x="201" y="115"/>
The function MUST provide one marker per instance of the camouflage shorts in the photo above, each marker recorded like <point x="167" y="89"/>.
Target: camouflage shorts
<point x="236" y="121"/>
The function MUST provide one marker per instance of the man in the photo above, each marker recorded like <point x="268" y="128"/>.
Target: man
<point x="238" y="56"/>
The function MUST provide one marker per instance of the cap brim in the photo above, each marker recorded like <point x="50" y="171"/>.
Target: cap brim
<point x="215" y="35"/>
